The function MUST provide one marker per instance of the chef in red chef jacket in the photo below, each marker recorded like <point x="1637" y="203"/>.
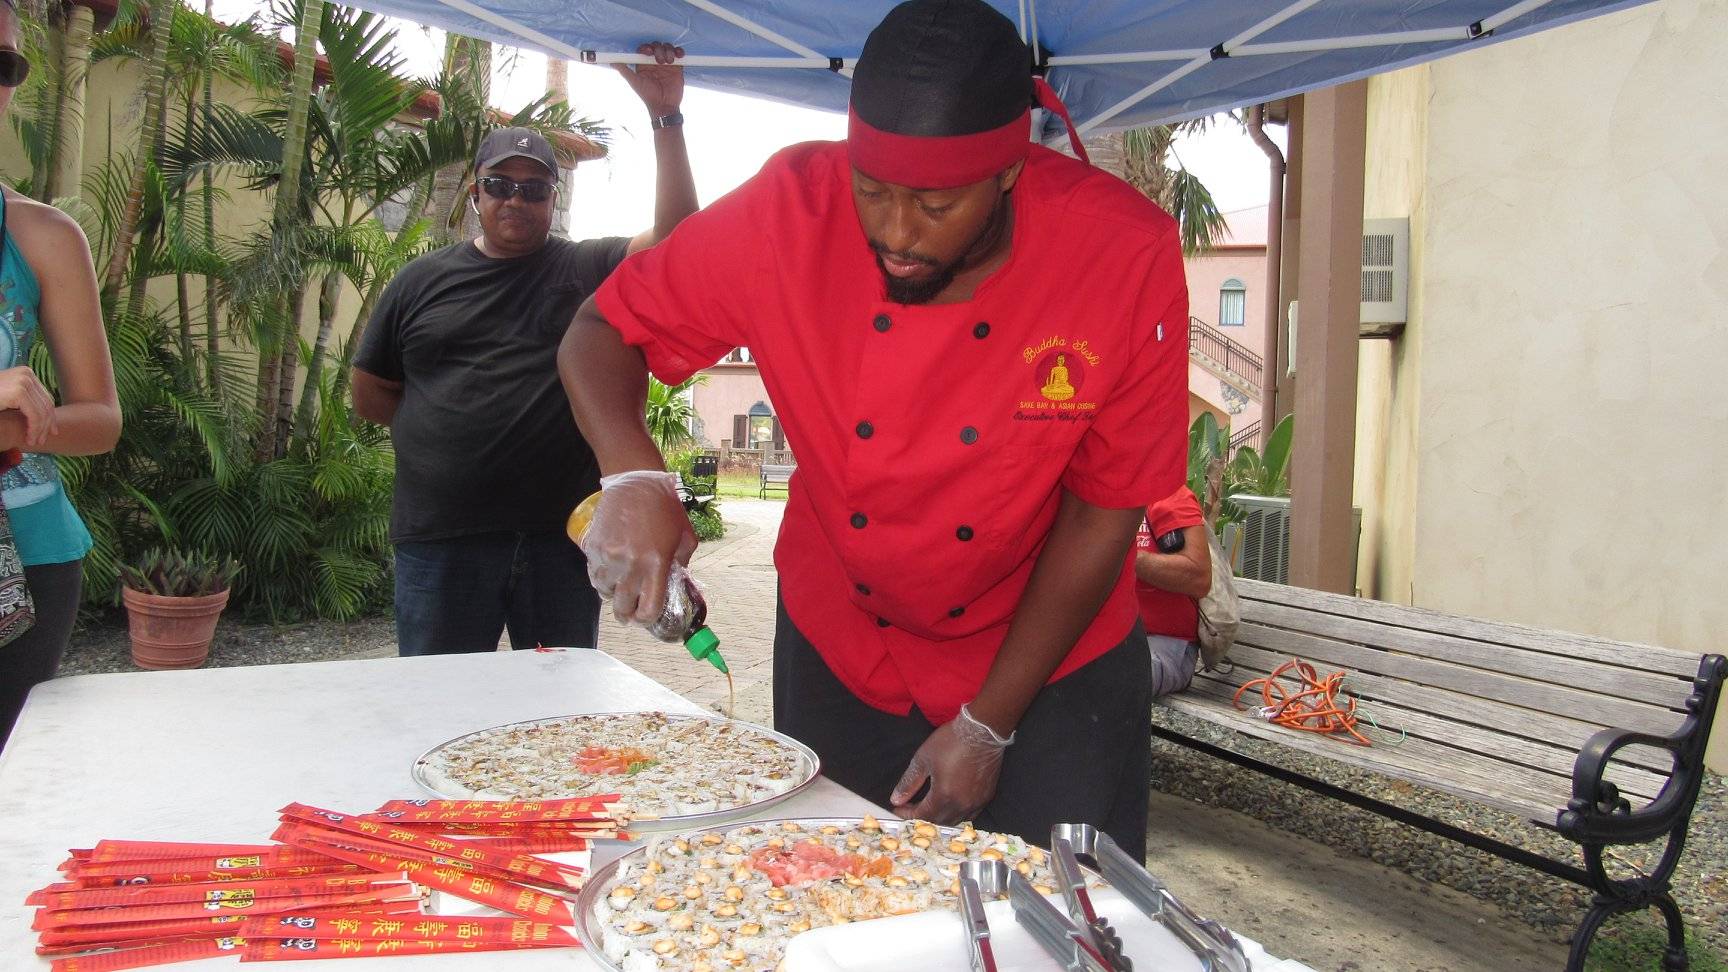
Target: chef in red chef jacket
<point x="978" y="350"/>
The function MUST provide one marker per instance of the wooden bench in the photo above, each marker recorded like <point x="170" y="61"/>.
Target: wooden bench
<point x="776" y="477"/>
<point x="1599" y="740"/>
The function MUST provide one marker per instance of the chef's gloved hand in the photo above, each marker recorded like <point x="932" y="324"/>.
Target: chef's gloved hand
<point x="638" y="532"/>
<point x="962" y="761"/>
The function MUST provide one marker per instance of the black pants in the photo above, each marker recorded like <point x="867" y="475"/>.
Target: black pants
<point x="1083" y="753"/>
<point x="32" y="659"/>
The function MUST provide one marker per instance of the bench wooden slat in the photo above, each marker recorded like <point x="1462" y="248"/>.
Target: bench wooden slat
<point x="1509" y="689"/>
<point x="1560" y="731"/>
<point x="1666" y="691"/>
<point x="1630" y="655"/>
<point x="1486" y="742"/>
<point x="1481" y="782"/>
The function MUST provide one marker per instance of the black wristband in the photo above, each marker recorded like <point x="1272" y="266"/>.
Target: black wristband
<point x="669" y="121"/>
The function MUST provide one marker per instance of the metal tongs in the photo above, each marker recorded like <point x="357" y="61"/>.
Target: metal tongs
<point x="1052" y="929"/>
<point x="1210" y="941"/>
<point x="1072" y="879"/>
<point x="977" y="879"/>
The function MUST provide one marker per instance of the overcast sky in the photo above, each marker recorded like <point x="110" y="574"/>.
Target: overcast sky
<point x="730" y="135"/>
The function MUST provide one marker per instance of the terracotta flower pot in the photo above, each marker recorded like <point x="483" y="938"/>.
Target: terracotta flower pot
<point x="171" y="632"/>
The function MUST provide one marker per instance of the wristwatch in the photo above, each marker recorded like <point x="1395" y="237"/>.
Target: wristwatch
<point x="669" y="121"/>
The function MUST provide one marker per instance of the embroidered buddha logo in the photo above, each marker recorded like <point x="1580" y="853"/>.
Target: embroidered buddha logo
<point x="1058" y="380"/>
<point x="1060" y="369"/>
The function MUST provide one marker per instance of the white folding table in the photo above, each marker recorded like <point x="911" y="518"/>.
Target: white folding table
<point x="211" y="755"/>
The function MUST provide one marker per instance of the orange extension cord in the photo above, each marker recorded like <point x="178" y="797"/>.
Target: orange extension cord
<point x="1314" y="707"/>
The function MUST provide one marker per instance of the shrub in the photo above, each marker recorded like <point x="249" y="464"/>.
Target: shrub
<point x="179" y="573"/>
<point x="705" y="519"/>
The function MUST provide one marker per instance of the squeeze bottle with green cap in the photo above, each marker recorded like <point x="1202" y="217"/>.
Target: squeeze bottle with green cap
<point x="684" y="619"/>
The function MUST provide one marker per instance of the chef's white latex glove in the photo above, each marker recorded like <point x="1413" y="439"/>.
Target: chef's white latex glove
<point x="638" y="532"/>
<point x="962" y="762"/>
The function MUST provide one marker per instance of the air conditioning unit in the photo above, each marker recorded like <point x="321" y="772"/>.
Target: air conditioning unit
<point x="1263" y="551"/>
<point x="1385" y="277"/>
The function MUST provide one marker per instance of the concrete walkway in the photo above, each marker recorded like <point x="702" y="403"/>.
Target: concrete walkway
<point x="1301" y="899"/>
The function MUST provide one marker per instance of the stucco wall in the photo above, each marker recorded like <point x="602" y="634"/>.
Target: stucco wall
<point x="1388" y="375"/>
<point x="729" y="390"/>
<point x="1571" y="342"/>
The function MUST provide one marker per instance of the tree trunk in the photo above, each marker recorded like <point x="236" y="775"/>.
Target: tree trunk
<point x="282" y="359"/>
<point x="276" y="411"/>
<point x="468" y="62"/>
<point x="44" y="167"/>
<point x="184" y="304"/>
<point x="288" y="375"/>
<point x="327" y="297"/>
<point x="212" y="322"/>
<point x="68" y="173"/>
<point x="155" y="91"/>
<point x="558" y="78"/>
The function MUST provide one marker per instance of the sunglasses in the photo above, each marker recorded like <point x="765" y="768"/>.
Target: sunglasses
<point x="532" y="191"/>
<point x="14" y="68"/>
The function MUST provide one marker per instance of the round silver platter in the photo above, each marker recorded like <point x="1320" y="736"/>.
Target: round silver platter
<point x="809" y="765"/>
<point x="599" y="883"/>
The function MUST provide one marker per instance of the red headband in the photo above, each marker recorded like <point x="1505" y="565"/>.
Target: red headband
<point x="935" y="161"/>
<point x="946" y="161"/>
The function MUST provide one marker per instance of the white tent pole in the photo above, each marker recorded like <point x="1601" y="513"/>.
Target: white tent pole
<point x="745" y="23"/>
<point x="811" y="60"/>
<point x="1125" y="57"/>
<point x="1037" y="45"/>
<point x="1023" y="35"/>
<point x="711" y="60"/>
<point x="1194" y="65"/>
<point x="1438" y="35"/>
<point x="1511" y="13"/>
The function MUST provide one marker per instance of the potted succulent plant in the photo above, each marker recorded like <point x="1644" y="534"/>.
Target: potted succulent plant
<point x="173" y="599"/>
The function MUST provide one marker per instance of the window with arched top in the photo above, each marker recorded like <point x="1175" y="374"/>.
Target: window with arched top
<point x="1232" y="304"/>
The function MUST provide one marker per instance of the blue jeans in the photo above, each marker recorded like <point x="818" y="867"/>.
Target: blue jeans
<point x="458" y="595"/>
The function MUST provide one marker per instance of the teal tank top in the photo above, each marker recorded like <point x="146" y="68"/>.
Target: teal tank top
<point x="46" y="527"/>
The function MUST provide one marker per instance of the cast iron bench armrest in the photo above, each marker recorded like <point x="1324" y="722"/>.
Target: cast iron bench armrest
<point x="1598" y="813"/>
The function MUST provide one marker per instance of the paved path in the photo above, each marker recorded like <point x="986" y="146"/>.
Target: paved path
<point x="737" y="571"/>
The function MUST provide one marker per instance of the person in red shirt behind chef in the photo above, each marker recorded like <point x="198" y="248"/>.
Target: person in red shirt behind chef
<point x="1173" y="566"/>
<point x="978" y="350"/>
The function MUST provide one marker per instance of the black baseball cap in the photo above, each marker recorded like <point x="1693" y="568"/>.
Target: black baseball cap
<point x="509" y="143"/>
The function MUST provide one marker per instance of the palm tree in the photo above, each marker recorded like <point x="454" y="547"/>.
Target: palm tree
<point x="465" y="84"/>
<point x="668" y="413"/>
<point x="159" y="24"/>
<point x="199" y="50"/>
<point x="49" y="117"/>
<point x="1143" y="157"/>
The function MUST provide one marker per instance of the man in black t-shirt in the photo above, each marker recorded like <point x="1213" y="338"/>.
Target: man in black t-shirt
<point x="460" y="360"/>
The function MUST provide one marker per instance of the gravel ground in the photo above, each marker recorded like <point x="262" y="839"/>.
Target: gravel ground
<point x="1549" y="904"/>
<point x="102" y="648"/>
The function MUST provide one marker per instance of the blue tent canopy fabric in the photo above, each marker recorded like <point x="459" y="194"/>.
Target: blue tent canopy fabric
<point x="1162" y="60"/>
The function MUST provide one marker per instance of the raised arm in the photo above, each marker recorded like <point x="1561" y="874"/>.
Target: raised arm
<point x="661" y="88"/>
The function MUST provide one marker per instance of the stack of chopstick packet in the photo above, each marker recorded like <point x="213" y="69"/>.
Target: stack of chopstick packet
<point x="333" y="886"/>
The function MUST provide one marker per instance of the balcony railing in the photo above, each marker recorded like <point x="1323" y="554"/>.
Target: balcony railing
<point x="1234" y="357"/>
<point x="1248" y="435"/>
